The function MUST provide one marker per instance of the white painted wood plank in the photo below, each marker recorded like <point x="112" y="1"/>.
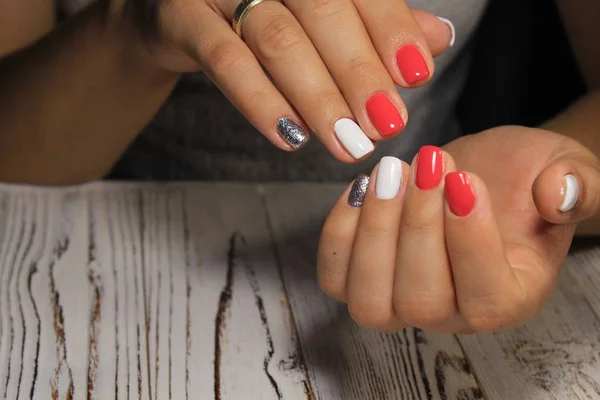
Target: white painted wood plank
<point x="58" y="292"/>
<point x="20" y="337"/>
<point x="239" y="333"/>
<point x="66" y="344"/>
<point x="135" y="288"/>
<point x="122" y="262"/>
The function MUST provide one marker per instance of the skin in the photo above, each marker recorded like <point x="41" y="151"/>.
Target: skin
<point x="133" y="51"/>
<point x="495" y="268"/>
<point x="86" y="120"/>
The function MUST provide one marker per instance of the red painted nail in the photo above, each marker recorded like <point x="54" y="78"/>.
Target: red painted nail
<point x="429" y="167"/>
<point x="412" y="64"/>
<point x="459" y="194"/>
<point x="384" y="115"/>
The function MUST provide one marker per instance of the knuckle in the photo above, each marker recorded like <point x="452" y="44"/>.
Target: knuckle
<point x="225" y="57"/>
<point x="331" y="231"/>
<point x="369" y="316"/>
<point x="280" y="35"/>
<point x="258" y="96"/>
<point x="332" y="283"/>
<point x="333" y="289"/>
<point x="334" y="250"/>
<point x="482" y="322"/>
<point x="330" y="103"/>
<point x="326" y="8"/>
<point x="422" y="312"/>
<point x="494" y="313"/>
<point x="423" y="220"/>
<point x="376" y="232"/>
<point x="332" y="259"/>
<point x="362" y="66"/>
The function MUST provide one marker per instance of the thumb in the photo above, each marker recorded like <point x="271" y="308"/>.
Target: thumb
<point x="439" y="32"/>
<point x="568" y="190"/>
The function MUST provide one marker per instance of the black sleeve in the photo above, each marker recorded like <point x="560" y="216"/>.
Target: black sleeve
<point x="523" y="71"/>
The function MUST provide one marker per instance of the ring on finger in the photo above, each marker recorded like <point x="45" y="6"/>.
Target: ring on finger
<point x="241" y="12"/>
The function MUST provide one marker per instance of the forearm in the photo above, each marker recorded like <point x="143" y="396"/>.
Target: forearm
<point x="39" y="14"/>
<point x="72" y="103"/>
<point x="582" y="123"/>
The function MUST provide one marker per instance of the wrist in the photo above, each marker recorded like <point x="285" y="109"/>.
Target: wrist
<point x="579" y="122"/>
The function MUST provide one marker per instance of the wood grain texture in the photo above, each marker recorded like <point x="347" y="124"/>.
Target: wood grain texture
<point x="142" y="292"/>
<point x="186" y="291"/>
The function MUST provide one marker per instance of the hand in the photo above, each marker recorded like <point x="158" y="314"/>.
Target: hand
<point x="331" y="60"/>
<point x="476" y="251"/>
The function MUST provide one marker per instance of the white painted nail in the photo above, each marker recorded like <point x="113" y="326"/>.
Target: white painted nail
<point x="389" y="178"/>
<point x="570" y="192"/>
<point x="452" y="29"/>
<point x="353" y="138"/>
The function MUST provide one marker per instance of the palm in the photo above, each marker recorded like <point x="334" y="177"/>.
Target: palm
<point x="509" y="159"/>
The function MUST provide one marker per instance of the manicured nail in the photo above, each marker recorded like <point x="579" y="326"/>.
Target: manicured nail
<point x="353" y="138"/>
<point x="412" y="64"/>
<point x="292" y="133"/>
<point x="389" y="178"/>
<point x="358" y="191"/>
<point x="384" y="114"/>
<point x="429" y="167"/>
<point x="570" y="192"/>
<point x="459" y="194"/>
<point x="452" y="29"/>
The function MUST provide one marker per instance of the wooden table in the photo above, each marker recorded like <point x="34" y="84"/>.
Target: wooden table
<point x="207" y="291"/>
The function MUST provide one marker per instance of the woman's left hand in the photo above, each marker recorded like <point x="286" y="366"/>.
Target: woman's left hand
<point x="450" y="251"/>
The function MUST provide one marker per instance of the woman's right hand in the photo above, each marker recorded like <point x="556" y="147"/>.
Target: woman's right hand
<point x="331" y="62"/>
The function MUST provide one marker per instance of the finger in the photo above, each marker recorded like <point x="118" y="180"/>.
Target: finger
<point x="424" y="292"/>
<point x="568" y="191"/>
<point x="237" y="73"/>
<point x="439" y="32"/>
<point x="337" y="238"/>
<point x="371" y="276"/>
<point x="283" y="48"/>
<point x="337" y="31"/>
<point x="398" y="39"/>
<point x="497" y="287"/>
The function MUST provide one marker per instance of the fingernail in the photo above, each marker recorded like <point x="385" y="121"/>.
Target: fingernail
<point x="429" y="167"/>
<point x="353" y="138"/>
<point x="452" y="29"/>
<point x="292" y="133"/>
<point x="384" y="114"/>
<point x="358" y="191"/>
<point x="412" y="64"/>
<point x="459" y="194"/>
<point x="570" y="193"/>
<point x="389" y="178"/>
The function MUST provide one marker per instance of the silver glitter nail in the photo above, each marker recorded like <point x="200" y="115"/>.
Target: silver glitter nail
<point x="358" y="191"/>
<point x="292" y="132"/>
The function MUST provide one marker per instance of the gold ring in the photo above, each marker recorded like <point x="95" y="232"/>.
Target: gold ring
<point x="242" y="11"/>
